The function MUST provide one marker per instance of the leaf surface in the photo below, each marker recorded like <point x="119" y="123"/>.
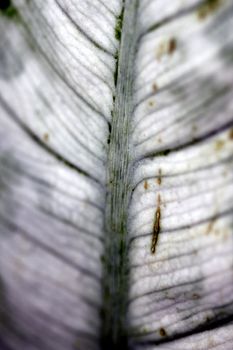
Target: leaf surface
<point x="116" y="161"/>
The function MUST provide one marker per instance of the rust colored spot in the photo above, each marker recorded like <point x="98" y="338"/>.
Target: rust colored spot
<point x="231" y="134"/>
<point x="46" y="137"/>
<point x="167" y="47"/>
<point x="195" y="296"/>
<point x="151" y="103"/>
<point x="207" y="8"/>
<point x="219" y="145"/>
<point x="210" y="226"/>
<point x="171" y="46"/>
<point x="159" y="179"/>
<point x="146" y="186"/>
<point x="154" y="88"/>
<point x="162" y="332"/>
<point x="156" y="226"/>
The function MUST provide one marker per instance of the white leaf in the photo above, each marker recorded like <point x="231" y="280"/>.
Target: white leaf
<point x="116" y="159"/>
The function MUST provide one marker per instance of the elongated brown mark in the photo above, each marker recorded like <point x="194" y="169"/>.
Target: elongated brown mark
<point x="207" y="8"/>
<point x="146" y="186"/>
<point x="156" y="226"/>
<point x="159" y="178"/>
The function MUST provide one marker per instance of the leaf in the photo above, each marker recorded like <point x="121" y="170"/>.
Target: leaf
<point x="116" y="174"/>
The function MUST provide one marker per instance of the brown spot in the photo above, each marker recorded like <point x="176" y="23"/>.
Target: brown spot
<point x="151" y="103"/>
<point x="159" y="179"/>
<point x="156" y="226"/>
<point x="146" y="186"/>
<point x="46" y="137"/>
<point x="166" y="48"/>
<point x="195" y="296"/>
<point x="210" y="226"/>
<point x="219" y="145"/>
<point x="171" y="46"/>
<point x="154" y="88"/>
<point x="207" y="8"/>
<point x="159" y="140"/>
<point x="162" y="332"/>
<point x="231" y="134"/>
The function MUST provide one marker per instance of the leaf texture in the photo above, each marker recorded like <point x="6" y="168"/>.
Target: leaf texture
<point x="116" y="161"/>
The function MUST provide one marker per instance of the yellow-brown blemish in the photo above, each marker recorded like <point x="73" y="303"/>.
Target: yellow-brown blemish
<point x="231" y="134"/>
<point x="154" y="88"/>
<point x="162" y="332"/>
<point x="159" y="179"/>
<point x="171" y="46"/>
<point x="156" y="226"/>
<point x="195" y="296"/>
<point x="46" y="137"/>
<point x="219" y="145"/>
<point x="207" y="8"/>
<point x="151" y="103"/>
<point x="146" y="186"/>
<point x="210" y="226"/>
<point x="166" y="48"/>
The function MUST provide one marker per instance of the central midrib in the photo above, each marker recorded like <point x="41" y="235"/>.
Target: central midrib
<point x="115" y="290"/>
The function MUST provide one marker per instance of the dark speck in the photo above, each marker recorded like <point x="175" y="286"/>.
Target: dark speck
<point x="162" y="332"/>
<point x="172" y="46"/>
<point x="231" y="134"/>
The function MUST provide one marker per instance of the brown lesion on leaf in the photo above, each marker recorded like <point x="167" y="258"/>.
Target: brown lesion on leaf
<point x="210" y="226"/>
<point x="156" y="226"/>
<point x="162" y="332"/>
<point x="146" y="186"/>
<point x="172" y="46"/>
<point x="207" y="8"/>
<point x="46" y="137"/>
<point x="219" y="144"/>
<point x="151" y="103"/>
<point x="159" y="178"/>
<point x="231" y="134"/>
<point x="196" y="296"/>
<point x="217" y="232"/>
<point x="154" y="88"/>
<point x="167" y="47"/>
